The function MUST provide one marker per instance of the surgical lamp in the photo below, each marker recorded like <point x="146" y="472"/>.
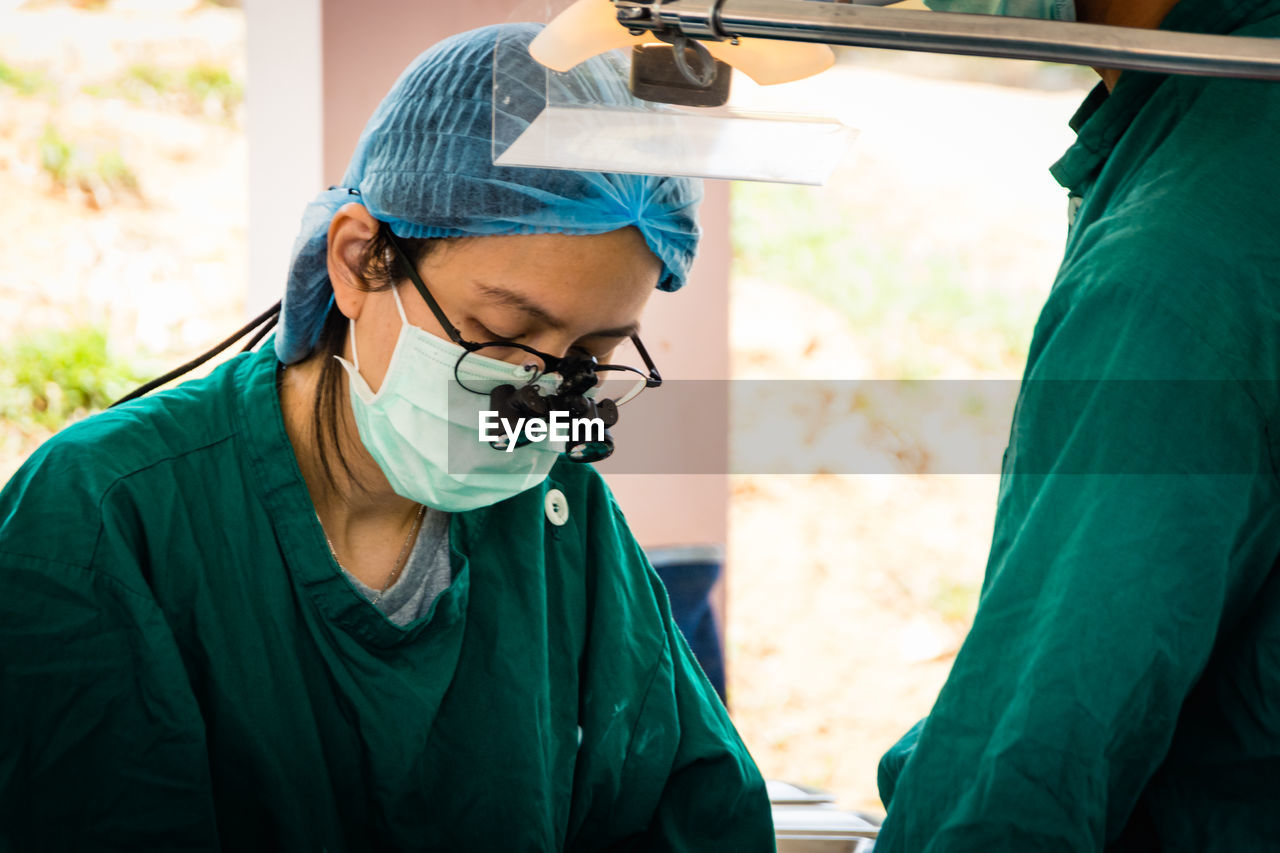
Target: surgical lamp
<point x="683" y="53"/>
<point x="725" y="23"/>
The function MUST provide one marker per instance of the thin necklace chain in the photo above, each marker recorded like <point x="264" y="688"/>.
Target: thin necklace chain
<point x="404" y="549"/>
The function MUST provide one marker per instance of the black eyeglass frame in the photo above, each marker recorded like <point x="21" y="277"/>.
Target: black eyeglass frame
<point x="550" y="363"/>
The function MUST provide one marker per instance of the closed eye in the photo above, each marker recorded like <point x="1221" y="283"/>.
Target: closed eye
<point x="488" y="335"/>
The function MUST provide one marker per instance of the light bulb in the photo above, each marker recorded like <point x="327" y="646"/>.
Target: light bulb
<point x="586" y="29"/>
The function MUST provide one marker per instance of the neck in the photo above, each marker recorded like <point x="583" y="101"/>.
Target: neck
<point x="347" y="500"/>
<point x="1143" y="14"/>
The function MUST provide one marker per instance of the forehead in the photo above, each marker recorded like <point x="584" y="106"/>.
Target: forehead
<point x="588" y="278"/>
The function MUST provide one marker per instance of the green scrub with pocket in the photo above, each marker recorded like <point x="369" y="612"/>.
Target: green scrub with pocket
<point x="184" y="667"/>
<point x="1120" y="687"/>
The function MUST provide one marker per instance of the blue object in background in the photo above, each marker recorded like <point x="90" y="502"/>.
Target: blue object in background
<point x="690" y="573"/>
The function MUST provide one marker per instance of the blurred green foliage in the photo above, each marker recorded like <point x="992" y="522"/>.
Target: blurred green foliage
<point x="56" y="155"/>
<point x="50" y="378"/>
<point x="147" y="78"/>
<point x="205" y="82"/>
<point x="955" y="600"/>
<point x="71" y="166"/>
<point x="115" y="172"/>
<point x="202" y="89"/>
<point x="24" y="81"/>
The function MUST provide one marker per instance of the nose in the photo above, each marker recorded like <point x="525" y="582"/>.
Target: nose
<point x="533" y="363"/>
<point x="557" y="346"/>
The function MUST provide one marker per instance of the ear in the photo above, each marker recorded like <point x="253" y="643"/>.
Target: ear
<point x="351" y="229"/>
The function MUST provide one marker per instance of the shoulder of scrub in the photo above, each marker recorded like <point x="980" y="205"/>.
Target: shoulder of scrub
<point x="54" y="505"/>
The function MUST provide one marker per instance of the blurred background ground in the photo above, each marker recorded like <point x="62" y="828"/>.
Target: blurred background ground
<point x="926" y="257"/>
<point x="122" y="233"/>
<point x="122" y="251"/>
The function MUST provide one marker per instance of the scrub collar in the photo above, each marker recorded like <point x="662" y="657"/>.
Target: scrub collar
<point x="1104" y="117"/>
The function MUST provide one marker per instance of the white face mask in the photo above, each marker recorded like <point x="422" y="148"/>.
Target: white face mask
<point x="1053" y="10"/>
<point x="422" y="428"/>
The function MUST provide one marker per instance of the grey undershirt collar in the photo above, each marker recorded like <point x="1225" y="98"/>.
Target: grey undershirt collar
<point x="427" y="573"/>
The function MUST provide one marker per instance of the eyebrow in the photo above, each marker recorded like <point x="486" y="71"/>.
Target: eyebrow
<point x="505" y="296"/>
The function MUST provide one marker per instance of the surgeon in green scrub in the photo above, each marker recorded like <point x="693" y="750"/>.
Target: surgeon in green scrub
<point x="264" y="610"/>
<point x="1120" y="687"/>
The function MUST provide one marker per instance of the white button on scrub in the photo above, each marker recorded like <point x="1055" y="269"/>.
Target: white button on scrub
<point x="557" y="507"/>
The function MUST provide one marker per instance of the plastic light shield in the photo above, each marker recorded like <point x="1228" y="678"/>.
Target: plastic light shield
<point x="591" y="122"/>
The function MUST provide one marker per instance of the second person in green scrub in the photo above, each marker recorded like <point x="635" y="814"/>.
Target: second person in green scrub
<point x="1120" y="687"/>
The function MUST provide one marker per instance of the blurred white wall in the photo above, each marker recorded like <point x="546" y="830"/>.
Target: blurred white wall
<point x="285" y="97"/>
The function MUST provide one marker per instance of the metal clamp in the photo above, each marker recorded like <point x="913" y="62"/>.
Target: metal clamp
<point x="693" y="18"/>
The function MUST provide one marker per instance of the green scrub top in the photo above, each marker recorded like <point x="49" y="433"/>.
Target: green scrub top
<point x="1120" y="687"/>
<point x="184" y="667"/>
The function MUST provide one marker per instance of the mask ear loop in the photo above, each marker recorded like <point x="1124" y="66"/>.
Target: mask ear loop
<point x="404" y="321"/>
<point x="355" y="353"/>
<point x="395" y="291"/>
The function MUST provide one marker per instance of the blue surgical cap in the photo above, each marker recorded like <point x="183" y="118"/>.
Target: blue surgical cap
<point x="424" y="164"/>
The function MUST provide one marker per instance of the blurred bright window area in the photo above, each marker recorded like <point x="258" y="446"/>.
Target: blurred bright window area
<point x="926" y="258"/>
<point x="122" y="235"/>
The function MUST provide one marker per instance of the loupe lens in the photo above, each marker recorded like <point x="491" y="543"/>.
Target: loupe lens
<point x="621" y="386"/>
<point x="590" y="451"/>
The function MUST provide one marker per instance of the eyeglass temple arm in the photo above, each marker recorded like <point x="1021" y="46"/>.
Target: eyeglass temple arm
<point x="449" y="328"/>
<point x="654" y="379"/>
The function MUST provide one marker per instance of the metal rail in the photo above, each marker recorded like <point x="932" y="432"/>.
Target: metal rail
<point x="973" y="35"/>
